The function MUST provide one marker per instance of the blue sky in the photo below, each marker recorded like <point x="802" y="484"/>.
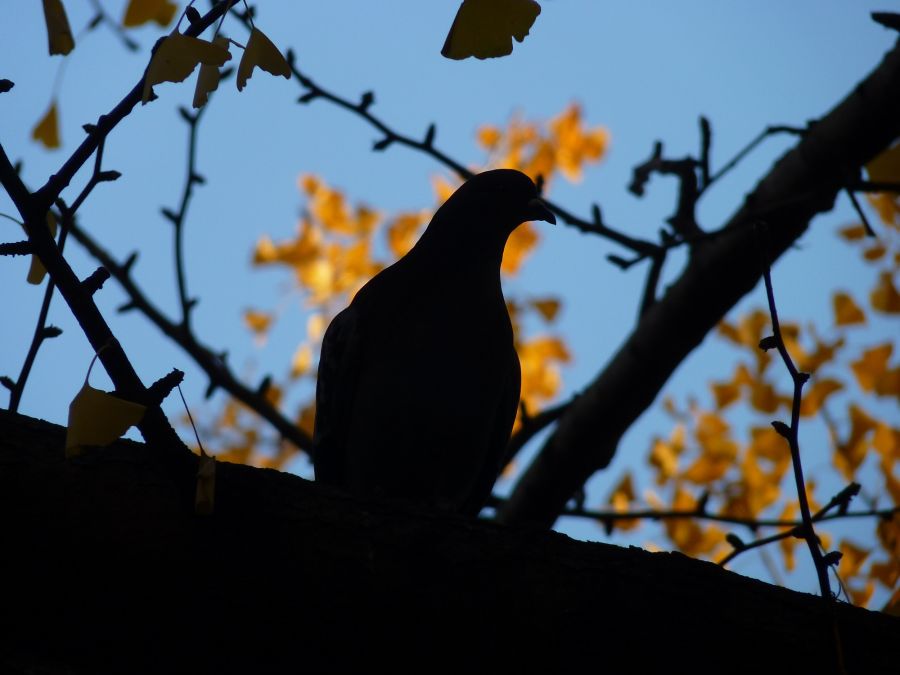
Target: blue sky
<point x="643" y="70"/>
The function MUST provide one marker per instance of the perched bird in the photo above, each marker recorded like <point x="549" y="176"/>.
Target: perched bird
<point x="418" y="379"/>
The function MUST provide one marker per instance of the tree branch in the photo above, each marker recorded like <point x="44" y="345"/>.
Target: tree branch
<point x="803" y="183"/>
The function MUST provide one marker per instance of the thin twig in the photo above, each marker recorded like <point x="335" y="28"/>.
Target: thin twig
<point x="212" y="363"/>
<point x="791" y="433"/>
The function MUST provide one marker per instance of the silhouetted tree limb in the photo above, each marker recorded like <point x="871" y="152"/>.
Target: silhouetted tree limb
<point x="803" y="183"/>
<point x="103" y="549"/>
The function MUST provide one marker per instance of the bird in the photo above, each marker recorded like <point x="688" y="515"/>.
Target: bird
<point x="419" y="381"/>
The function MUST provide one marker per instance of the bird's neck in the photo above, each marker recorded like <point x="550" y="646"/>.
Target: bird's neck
<point x="478" y="247"/>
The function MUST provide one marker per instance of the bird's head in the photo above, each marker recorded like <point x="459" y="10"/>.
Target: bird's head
<point x="503" y="198"/>
<point x="486" y="209"/>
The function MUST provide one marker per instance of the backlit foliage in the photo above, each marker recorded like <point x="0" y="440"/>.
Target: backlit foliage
<point x="726" y="458"/>
<point x="338" y="246"/>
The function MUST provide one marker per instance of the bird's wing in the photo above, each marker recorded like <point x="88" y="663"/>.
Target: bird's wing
<point x="339" y="367"/>
<point x="500" y="431"/>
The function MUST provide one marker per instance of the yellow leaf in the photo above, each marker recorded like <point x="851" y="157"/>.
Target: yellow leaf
<point x="59" y="35"/>
<point x="885" y="168"/>
<point x="764" y="398"/>
<point x="177" y="56"/>
<point x="846" y="311"/>
<point x="485" y="28"/>
<point x="205" y="496"/>
<point x="852" y="560"/>
<point x="315" y="326"/>
<point x="37" y="270"/>
<point x="98" y="418"/>
<point x="489" y="137"/>
<point x="872" y="366"/>
<point x="306" y="420"/>
<point x="887" y="572"/>
<point x="302" y="360"/>
<point x="875" y="252"/>
<point x="520" y="243"/>
<point x="620" y="499"/>
<point x="47" y="129"/>
<point x="817" y="394"/>
<point x="851" y="453"/>
<point x="442" y="188"/>
<point x="261" y="52"/>
<point x="258" y="322"/>
<point x="853" y="232"/>
<point x="403" y="232"/>
<point x="208" y="78"/>
<point x="887" y="205"/>
<point x="664" y="457"/>
<point x="548" y="308"/>
<point x="884" y="297"/>
<point x="725" y="393"/>
<point x="139" y="12"/>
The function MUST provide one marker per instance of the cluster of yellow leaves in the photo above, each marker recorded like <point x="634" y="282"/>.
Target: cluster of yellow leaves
<point x="749" y="475"/>
<point x="175" y="58"/>
<point x="564" y="145"/>
<point x="178" y="55"/>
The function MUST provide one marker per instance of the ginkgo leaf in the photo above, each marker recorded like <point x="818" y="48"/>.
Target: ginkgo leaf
<point x="139" y="12"/>
<point x="485" y="28"/>
<point x="208" y="78"/>
<point x="261" y="52"/>
<point x="885" y="297"/>
<point x="47" y="129"/>
<point x="37" y="270"/>
<point x="846" y="311"/>
<point x="59" y="35"/>
<point x="177" y="56"/>
<point x="258" y="322"/>
<point x="548" y="308"/>
<point x="885" y="168"/>
<point x="98" y="418"/>
<point x="302" y="361"/>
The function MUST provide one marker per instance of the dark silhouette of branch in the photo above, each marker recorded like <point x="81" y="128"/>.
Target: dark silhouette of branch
<point x="719" y="272"/>
<point x="790" y="433"/>
<point x="362" y="107"/>
<point x="750" y="147"/>
<point x="33" y="208"/>
<point x="178" y="219"/>
<point x="840" y="501"/>
<point x="42" y="331"/>
<point x="211" y="362"/>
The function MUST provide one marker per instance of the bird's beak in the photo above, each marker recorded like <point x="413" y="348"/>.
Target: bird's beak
<point x="537" y="210"/>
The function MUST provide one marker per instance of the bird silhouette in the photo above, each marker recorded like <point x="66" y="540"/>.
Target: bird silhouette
<point x="418" y="379"/>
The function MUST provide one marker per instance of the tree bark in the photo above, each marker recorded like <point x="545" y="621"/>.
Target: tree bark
<point x="720" y="271"/>
<point x="106" y="569"/>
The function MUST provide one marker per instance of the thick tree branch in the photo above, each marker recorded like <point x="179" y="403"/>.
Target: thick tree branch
<point x="803" y="183"/>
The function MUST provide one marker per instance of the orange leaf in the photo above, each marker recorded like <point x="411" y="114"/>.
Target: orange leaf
<point x="872" y="366"/>
<point x="139" y="12"/>
<point x="59" y="35"/>
<point x="884" y="297"/>
<point x="403" y="232"/>
<point x="520" y="243"/>
<point x="853" y="232"/>
<point x="846" y="311"/>
<point x="261" y="52"/>
<point x="258" y="322"/>
<point x="852" y="560"/>
<point x="817" y="394"/>
<point x="548" y="308"/>
<point x="302" y="361"/>
<point x="485" y="28"/>
<point x="47" y="129"/>
<point x="725" y="393"/>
